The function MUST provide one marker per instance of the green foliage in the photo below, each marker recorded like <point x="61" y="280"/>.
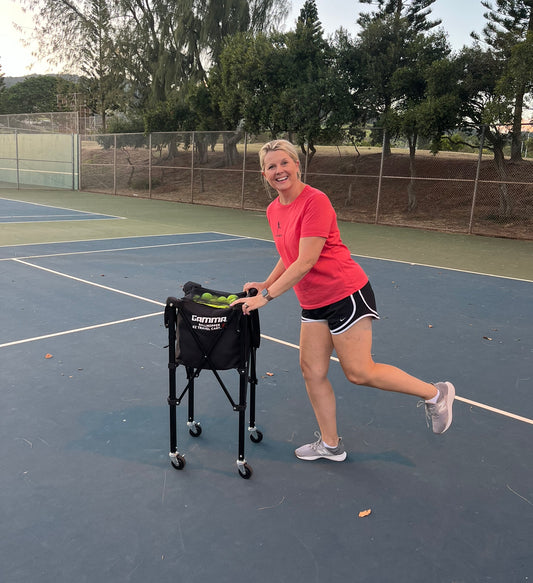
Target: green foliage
<point x="130" y="130"/>
<point x="395" y="50"/>
<point x="283" y="83"/>
<point x="508" y="35"/>
<point x="36" y="94"/>
<point x="121" y="124"/>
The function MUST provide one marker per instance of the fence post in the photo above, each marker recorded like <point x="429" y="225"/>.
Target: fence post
<point x="78" y="160"/>
<point x="476" y="182"/>
<point x="378" y="199"/>
<point x="244" y="168"/>
<point x="73" y="163"/>
<point x="150" y="165"/>
<point x="192" y="166"/>
<point x="114" y="163"/>
<point x="17" y="158"/>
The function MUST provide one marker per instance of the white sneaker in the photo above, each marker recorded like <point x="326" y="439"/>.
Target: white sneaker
<point x="316" y="450"/>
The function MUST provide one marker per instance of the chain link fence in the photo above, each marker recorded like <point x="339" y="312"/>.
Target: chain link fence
<point x="55" y="122"/>
<point x="461" y="189"/>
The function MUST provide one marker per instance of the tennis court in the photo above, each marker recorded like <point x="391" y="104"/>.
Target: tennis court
<point x="88" y="490"/>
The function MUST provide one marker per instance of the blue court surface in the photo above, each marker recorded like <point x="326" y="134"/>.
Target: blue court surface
<point x="16" y="211"/>
<point x="88" y="492"/>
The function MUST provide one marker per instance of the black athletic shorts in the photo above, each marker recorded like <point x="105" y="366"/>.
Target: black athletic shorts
<point x="345" y="313"/>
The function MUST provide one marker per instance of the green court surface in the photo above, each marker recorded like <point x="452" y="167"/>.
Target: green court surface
<point x="494" y="256"/>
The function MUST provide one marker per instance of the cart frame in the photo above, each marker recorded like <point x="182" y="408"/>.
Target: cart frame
<point x="246" y="369"/>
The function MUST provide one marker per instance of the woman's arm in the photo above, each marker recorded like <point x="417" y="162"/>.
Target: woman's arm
<point x="308" y="253"/>
<point x="280" y="279"/>
<point x="274" y="275"/>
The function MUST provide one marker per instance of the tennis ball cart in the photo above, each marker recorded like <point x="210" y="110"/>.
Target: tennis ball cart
<point x="205" y="333"/>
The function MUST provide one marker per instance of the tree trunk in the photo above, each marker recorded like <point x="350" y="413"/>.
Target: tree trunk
<point x="506" y="207"/>
<point x="516" y="143"/>
<point x="172" y="147"/>
<point x="201" y="148"/>
<point x="231" y="155"/>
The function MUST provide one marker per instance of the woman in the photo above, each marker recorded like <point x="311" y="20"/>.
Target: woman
<point x="337" y="303"/>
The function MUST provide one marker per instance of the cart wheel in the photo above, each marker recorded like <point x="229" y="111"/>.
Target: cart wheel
<point x="245" y="472"/>
<point x="178" y="462"/>
<point x="195" y="430"/>
<point x="256" y="436"/>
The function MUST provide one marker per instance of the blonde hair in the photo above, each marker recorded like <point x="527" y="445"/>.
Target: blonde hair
<point x="279" y="145"/>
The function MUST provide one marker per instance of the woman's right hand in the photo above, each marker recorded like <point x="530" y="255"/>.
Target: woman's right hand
<point x="258" y="285"/>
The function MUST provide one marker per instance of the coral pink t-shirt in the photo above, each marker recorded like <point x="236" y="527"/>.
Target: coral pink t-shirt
<point x="335" y="275"/>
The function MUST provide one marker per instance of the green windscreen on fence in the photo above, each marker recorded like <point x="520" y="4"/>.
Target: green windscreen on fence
<point x="43" y="160"/>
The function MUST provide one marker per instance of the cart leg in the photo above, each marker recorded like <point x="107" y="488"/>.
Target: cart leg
<point x="255" y="435"/>
<point x="194" y="426"/>
<point x="245" y="470"/>
<point x="176" y="459"/>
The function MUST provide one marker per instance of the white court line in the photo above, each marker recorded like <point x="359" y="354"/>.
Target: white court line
<point x="110" y="250"/>
<point x="111" y="238"/>
<point x="444" y="268"/>
<point x="62" y="208"/>
<point x="75" y="330"/>
<point x="468" y="401"/>
<point x="429" y="265"/>
<point x="45" y="216"/>
<point x="99" y="285"/>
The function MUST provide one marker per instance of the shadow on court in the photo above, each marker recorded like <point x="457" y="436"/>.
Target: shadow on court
<point x="89" y="493"/>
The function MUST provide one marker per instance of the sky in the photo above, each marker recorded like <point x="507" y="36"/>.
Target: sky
<point x="459" y="18"/>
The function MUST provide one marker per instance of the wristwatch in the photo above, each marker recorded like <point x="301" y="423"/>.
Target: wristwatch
<point x="266" y="295"/>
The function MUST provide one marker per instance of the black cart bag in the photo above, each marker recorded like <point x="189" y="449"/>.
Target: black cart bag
<point x="206" y="333"/>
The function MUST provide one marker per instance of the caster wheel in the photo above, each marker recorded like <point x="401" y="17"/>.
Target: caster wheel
<point x="178" y="462"/>
<point x="195" y="430"/>
<point x="245" y="472"/>
<point x="256" y="436"/>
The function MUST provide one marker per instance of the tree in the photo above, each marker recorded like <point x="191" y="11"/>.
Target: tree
<point x="308" y="95"/>
<point x="80" y="35"/>
<point x="152" y="48"/>
<point x="102" y="77"/>
<point x="384" y="41"/>
<point x="36" y="94"/>
<point x="172" y="43"/>
<point x="486" y="110"/>
<point x="509" y="35"/>
<point x="283" y="83"/>
<point x="426" y="102"/>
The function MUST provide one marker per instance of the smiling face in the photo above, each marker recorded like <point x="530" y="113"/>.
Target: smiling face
<point x="282" y="173"/>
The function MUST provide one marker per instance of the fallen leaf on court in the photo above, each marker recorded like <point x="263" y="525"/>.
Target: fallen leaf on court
<point x="364" y="513"/>
<point x="48" y="356"/>
<point x="486" y="338"/>
<point x="269" y="374"/>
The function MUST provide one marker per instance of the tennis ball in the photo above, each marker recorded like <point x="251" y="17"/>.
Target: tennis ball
<point x="232" y="298"/>
<point x="222" y="300"/>
<point x="207" y="296"/>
